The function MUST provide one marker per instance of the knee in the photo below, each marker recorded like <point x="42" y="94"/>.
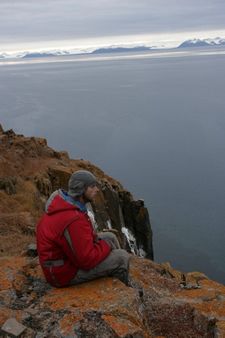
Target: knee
<point x="122" y="258"/>
<point x="111" y="236"/>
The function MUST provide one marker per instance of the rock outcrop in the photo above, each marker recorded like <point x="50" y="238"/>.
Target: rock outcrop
<point x="158" y="304"/>
<point x="160" y="301"/>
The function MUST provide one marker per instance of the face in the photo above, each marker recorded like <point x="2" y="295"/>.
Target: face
<point x="91" y="192"/>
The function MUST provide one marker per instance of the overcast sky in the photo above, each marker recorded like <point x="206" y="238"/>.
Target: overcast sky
<point x="32" y="24"/>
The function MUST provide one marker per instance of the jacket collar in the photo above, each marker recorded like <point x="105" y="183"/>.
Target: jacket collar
<point x="71" y="200"/>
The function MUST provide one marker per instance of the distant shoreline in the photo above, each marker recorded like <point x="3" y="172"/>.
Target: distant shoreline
<point x="114" y="49"/>
<point x="90" y="57"/>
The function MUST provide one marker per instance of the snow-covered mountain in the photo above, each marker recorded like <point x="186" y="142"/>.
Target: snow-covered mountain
<point x="40" y="54"/>
<point x="112" y="49"/>
<point x="121" y="49"/>
<point x="202" y="42"/>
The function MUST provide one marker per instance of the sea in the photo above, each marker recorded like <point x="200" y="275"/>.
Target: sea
<point x="153" y="120"/>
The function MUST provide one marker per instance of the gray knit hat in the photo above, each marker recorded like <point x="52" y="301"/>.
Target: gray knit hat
<point x="79" y="181"/>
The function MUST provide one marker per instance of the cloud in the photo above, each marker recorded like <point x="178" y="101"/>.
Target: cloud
<point x="26" y="20"/>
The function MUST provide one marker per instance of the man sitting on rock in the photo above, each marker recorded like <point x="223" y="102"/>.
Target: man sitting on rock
<point x="70" y="252"/>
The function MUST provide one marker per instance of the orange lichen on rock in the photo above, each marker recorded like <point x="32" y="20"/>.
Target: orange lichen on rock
<point x="106" y="296"/>
<point x="68" y="321"/>
<point x="8" y="271"/>
<point x="33" y="269"/>
<point x="209" y="299"/>
<point x="156" y="306"/>
<point x="96" y="295"/>
<point x="124" y="327"/>
<point x="210" y="284"/>
<point x="151" y="274"/>
<point x="214" y="308"/>
<point x="198" y="295"/>
<point x="6" y="313"/>
<point x="9" y="283"/>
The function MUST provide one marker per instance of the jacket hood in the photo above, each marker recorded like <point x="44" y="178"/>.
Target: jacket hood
<point x="57" y="203"/>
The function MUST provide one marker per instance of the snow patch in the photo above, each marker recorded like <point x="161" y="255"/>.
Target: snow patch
<point x="131" y="240"/>
<point x="133" y="243"/>
<point x="141" y="253"/>
<point x="109" y="224"/>
<point x="91" y="215"/>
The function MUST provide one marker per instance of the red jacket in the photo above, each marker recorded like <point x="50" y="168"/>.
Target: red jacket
<point x="59" y="256"/>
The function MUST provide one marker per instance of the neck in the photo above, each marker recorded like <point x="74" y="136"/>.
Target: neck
<point x="80" y="203"/>
<point x="80" y="199"/>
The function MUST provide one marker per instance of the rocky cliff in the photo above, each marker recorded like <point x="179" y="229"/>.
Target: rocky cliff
<point x="162" y="302"/>
<point x="30" y="171"/>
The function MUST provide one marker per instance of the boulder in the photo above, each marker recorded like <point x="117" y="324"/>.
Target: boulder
<point x="13" y="328"/>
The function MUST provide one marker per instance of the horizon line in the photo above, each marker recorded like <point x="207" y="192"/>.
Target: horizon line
<point x="156" y="40"/>
<point x="94" y="57"/>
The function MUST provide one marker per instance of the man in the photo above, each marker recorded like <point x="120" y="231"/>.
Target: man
<point x="70" y="252"/>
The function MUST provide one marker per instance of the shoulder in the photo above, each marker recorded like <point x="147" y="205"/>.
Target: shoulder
<point x="79" y="217"/>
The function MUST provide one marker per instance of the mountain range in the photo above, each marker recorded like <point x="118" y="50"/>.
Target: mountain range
<point x="202" y="43"/>
<point x="116" y="49"/>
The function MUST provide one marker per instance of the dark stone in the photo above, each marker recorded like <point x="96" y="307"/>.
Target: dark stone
<point x="171" y="319"/>
<point x="59" y="178"/>
<point x="93" y="326"/>
<point x="10" y="133"/>
<point x="112" y="206"/>
<point x="44" y="185"/>
<point x="119" y="207"/>
<point x="32" y="250"/>
<point x="137" y="219"/>
<point x="8" y="184"/>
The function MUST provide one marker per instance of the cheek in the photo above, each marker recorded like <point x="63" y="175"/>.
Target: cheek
<point x="94" y="192"/>
<point x="90" y="192"/>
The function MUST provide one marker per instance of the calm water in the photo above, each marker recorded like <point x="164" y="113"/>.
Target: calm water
<point x="155" y="123"/>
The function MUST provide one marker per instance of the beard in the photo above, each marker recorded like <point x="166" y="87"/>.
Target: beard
<point x="86" y="199"/>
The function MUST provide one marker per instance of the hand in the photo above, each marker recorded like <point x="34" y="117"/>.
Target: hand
<point x="114" y="231"/>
